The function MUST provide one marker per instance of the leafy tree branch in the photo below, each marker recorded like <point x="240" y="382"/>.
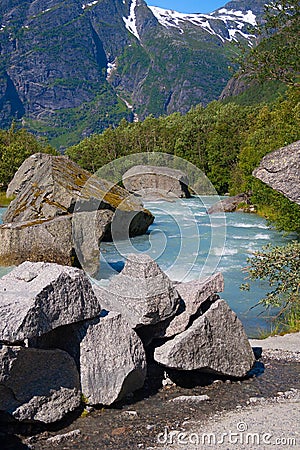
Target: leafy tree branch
<point x="280" y="267"/>
<point x="276" y="56"/>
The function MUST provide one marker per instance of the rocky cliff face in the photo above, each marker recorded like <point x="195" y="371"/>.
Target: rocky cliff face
<point x="72" y="68"/>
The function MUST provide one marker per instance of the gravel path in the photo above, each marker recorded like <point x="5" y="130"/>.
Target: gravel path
<point x="266" y="425"/>
<point x="288" y="342"/>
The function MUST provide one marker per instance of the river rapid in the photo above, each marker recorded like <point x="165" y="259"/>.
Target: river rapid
<point x="189" y="244"/>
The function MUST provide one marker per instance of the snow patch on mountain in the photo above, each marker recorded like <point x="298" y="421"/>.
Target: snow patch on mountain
<point x="235" y="21"/>
<point x="233" y="32"/>
<point x="89" y="5"/>
<point x="130" y="21"/>
<point x="225" y="14"/>
<point x="111" y="67"/>
<point x="170" y="18"/>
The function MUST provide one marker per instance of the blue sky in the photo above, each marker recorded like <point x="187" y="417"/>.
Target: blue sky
<point x="188" y="6"/>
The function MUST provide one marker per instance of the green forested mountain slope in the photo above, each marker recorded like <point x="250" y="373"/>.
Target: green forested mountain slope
<point x="72" y="68"/>
<point x="225" y="140"/>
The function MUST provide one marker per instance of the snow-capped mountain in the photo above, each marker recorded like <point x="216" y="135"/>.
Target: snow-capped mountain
<point x="72" y="68"/>
<point x="235" y="23"/>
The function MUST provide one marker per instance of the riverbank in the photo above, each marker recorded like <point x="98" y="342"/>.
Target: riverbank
<point x="139" y="421"/>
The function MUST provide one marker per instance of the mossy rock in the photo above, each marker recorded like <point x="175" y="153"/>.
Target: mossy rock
<point x="48" y="186"/>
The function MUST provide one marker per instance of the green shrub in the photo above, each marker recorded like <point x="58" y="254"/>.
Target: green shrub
<point x="280" y="267"/>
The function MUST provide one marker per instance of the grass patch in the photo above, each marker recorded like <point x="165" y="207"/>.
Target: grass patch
<point x="287" y="324"/>
<point x="4" y="201"/>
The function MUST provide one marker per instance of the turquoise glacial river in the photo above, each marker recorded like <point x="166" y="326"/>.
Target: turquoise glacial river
<point x="189" y="244"/>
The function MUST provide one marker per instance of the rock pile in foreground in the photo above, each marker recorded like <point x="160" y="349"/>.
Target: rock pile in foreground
<point x="59" y="346"/>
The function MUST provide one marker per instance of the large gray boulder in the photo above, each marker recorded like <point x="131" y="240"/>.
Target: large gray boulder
<point x="195" y="297"/>
<point x="112" y="360"/>
<point x="216" y="342"/>
<point x="39" y="240"/>
<point x="281" y="171"/>
<point x="142" y="292"/>
<point x="26" y="172"/>
<point x="38" y="385"/>
<point x="239" y="202"/>
<point x="38" y="297"/>
<point x="108" y="353"/>
<point x="156" y="181"/>
<point x="194" y="294"/>
<point x="48" y="187"/>
<point x="72" y="239"/>
<point x="88" y="230"/>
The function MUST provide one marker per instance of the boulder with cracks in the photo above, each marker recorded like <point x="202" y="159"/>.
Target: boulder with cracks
<point x="215" y="342"/>
<point x="142" y="292"/>
<point x="38" y="385"/>
<point x="38" y="297"/>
